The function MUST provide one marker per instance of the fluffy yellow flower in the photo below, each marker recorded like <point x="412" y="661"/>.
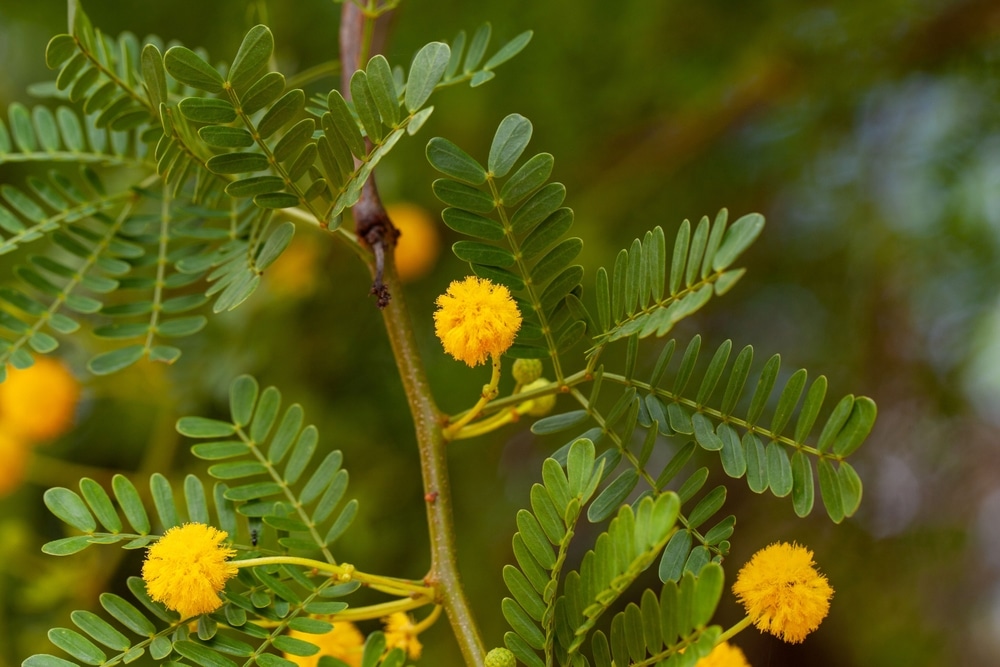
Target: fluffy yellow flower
<point x="37" y="403"/>
<point x="476" y="320"/>
<point x="724" y="655"/>
<point x="188" y="567"/>
<point x="419" y="242"/>
<point x="782" y="591"/>
<point x="344" y="642"/>
<point x="13" y="460"/>
<point x="400" y="632"/>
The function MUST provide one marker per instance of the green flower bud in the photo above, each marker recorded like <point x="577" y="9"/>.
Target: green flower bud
<point x="527" y="371"/>
<point x="500" y="657"/>
<point x="543" y="404"/>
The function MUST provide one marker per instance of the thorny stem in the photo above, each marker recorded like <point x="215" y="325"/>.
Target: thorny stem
<point x="427" y="419"/>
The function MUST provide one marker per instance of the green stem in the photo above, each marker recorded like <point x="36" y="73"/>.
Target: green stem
<point x="733" y="631"/>
<point x="489" y="393"/>
<point x="427" y="421"/>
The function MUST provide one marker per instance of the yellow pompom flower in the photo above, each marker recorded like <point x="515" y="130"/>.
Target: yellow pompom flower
<point x="400" y="632"/>
<point x="783" y="592"/>
<point x="344" y="642"/>
<point x="724" y="655"/>
<point x="188" y="567"/>
<point x="419" y="242"/>
<point x="37" y="403"/>
<point x="13" y="460"/>
<point x="476" y="320"/>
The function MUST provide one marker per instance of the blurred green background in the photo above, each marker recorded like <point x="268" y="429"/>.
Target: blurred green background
<point x="868" y="134"/>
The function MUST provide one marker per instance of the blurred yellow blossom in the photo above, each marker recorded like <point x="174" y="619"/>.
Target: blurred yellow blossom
<point x="38" y="403"/>
<point x="419" y="243"/>
<point x="188" y="567"/>
<point x="294" y="273"/>
<point x="344" y="642"/>
<point x="724" y="655"/>
<point x="400" y="632"/>
<point x="13" y="459"/>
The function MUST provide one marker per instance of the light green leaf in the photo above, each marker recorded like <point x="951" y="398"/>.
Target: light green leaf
<point x="452" y="161"/>
<point x="110" y="362"/>
<point x="425" y="72"/>
<point x="737" y="238"/>
<point x="509" y="142"/>
<point x="70" y="508"/>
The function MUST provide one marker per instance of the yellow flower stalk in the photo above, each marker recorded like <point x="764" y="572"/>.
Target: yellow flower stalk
<point x="38" y="403"/>
<point x="476" y="320"/>
<point x="344" y="642"/>
<point x="783" y="592"/>
<point x="724" y="655"/>
<point x="188" y="567"/>
<point x="401" y="632"/>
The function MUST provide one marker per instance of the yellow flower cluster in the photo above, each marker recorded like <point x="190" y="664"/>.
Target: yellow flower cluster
<point x="401" y="632"/>
<point x="476" y="320"/>
<point x="36" y="404"/>
<point x="724" y="655"/>
<point x="346" y="643"/>
<point x="782" y="591"/>
<point x="188" y="567"/>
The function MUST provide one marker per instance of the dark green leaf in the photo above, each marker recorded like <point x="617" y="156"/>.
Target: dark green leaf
<point x="261" y="94"/>
<point x="67" y="546"/>
<point x="252" y="58"/>
<point x="733" y="460"/>
<point x="225" y="137"/>
<point x="477" y="47"/>
<point x="255" y="185"/>
<point x="207" y="110"/>
<point x="59" y="49"/>
<point x="187" y="67"/>
<point x="153" y="75"/>
<point x="756" y="457"/>
<point x="829" y="486"/>
<point x="554" y="261"/>
<point x="482" y="253"/>
<point x="462" y="196"/>
<point x="707" y="506"/>
<point x="859" y="424"/>
<point x="131" y="504"/>
<point x="283" y="112"/>
<point x="528" y="178"/>
<point x="803" y="489"/>
<point x="546" y="233"/>
<point x="674" y="556"/>
<point x="763" y="389"/>
<point x="789" y="399"/>
<point x="541" y="204"/>
<point x="237" y="163"/>
<point x="345" y="124"/>
<point x="275" y="244"/>
<point x="472" y="224"/>
<point x="608" y="502"/>
<point x="77" y="646"/>
<point x="99" y="502"/>
<point x="779" y="470"/>
<point x="850" y="488"/>
<point x="509" y="142"/>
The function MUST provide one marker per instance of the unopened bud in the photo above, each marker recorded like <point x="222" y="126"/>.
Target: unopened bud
<point x="500" y="657"/>
<point x="542" y="404"/>
<point x="527" y="371"/>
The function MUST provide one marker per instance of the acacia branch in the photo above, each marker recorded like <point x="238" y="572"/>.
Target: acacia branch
<point x="373" y="225"/>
